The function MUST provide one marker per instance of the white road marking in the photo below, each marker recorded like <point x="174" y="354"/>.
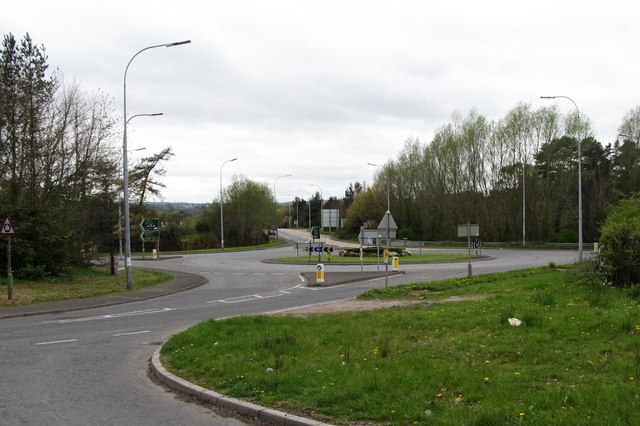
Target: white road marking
<point x="110" y="316"/>
<point x="132" y="333"/>
<point x="55" y="342"/>
<point x="246" y="298"/>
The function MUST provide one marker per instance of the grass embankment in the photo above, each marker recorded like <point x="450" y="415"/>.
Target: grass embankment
<point x="78" y="284"/>
<point x="574" y="360"/>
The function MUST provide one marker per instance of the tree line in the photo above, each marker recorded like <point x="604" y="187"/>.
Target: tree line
<point x="490" y="172"/>
<point x="61" y="183"/>
<point x="60" y="164"/>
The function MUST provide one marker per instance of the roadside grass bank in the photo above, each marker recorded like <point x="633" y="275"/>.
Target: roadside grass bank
<point x="77" y="284"/>
<point x="575" y="359"/>
<point x="372" y="260"/>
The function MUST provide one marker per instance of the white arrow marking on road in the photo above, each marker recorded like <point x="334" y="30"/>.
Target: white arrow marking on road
<point x="246" y="298"/>
<point x="110" y="316"/>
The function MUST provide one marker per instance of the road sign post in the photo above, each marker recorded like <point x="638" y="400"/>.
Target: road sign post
<point x="150" y="233"/>
<point x="469" y="230"/>
<point x="8" y="231"/>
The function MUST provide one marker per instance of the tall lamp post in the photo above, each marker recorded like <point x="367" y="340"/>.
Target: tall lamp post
<point x="125" y="169"/>
<point x="579" y="174"/>
<point x="221" y="213"/>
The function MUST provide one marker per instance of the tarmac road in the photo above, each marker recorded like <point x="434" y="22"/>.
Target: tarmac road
<point x="82" y="365"/>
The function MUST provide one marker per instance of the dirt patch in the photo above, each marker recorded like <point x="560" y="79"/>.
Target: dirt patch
<point x="355" y="305"/>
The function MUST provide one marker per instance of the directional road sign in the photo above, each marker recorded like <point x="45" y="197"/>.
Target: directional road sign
<point x="150" y="230"/>
<point x="319" y="249"/>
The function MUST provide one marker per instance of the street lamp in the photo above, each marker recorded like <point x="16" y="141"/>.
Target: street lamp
<point x="221" y="213"/>
<point x="579" y="175"/>
<point x="628" y="136"/>
<point x="125" y="169"/>
<point x="274" y="185"/>
<point x="153" y="114"/>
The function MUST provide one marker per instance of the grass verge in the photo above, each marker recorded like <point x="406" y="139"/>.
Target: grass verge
<point x="415" y="258"/>
<point x="78" y="284"/>
<point x="574" y="360"/>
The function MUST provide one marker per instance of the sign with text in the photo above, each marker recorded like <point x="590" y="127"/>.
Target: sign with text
<point x="468" y="230"/>
<point x="150" y="230"/>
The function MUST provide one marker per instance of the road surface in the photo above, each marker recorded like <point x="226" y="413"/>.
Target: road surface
<point x="90" y="367"/>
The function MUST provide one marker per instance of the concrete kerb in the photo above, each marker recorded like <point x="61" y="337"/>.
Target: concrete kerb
<point x="247" y="408"/>
<point x="182" y="281"/>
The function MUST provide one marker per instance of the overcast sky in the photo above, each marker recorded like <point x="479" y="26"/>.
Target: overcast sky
<point x="318" y="89"/>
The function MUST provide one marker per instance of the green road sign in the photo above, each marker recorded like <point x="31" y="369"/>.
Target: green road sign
<point x="150" y="230"/>
<point x="315" y="232"/>
<point x="148" y="236"/>
<point x="150" y="224"/>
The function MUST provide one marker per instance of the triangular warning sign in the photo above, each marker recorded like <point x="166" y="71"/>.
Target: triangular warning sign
<point x="7" y="228"/>
<point x="387" y="219"/>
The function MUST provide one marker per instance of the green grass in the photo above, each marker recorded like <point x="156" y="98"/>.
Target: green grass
<point x="415" y="258"/>
<point x="77" y="284"/>
<point x="575" y="360"/>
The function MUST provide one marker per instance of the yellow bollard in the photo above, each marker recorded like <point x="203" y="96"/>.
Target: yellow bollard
<point x="154" y="254"/>
<point x="319" y="273"/>
<point x="396" y="264"/>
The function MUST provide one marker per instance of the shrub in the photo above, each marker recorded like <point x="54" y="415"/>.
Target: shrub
<point x="620" y="244"/>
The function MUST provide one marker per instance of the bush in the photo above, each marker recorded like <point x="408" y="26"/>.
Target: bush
<point x="620" y="244"/>
<point x="32" y="273"/>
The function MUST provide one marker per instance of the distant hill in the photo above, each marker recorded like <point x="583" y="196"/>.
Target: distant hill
<point x="187" y="208"/>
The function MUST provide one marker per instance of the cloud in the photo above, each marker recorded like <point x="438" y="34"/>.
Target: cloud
<point x="319" y="89"/>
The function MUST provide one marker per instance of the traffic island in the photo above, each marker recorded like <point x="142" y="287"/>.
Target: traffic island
<point x="336" y="278"/>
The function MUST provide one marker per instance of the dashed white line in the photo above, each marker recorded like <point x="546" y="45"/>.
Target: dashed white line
<point x="56" y="342"/>
<point x="133" y="333"/>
